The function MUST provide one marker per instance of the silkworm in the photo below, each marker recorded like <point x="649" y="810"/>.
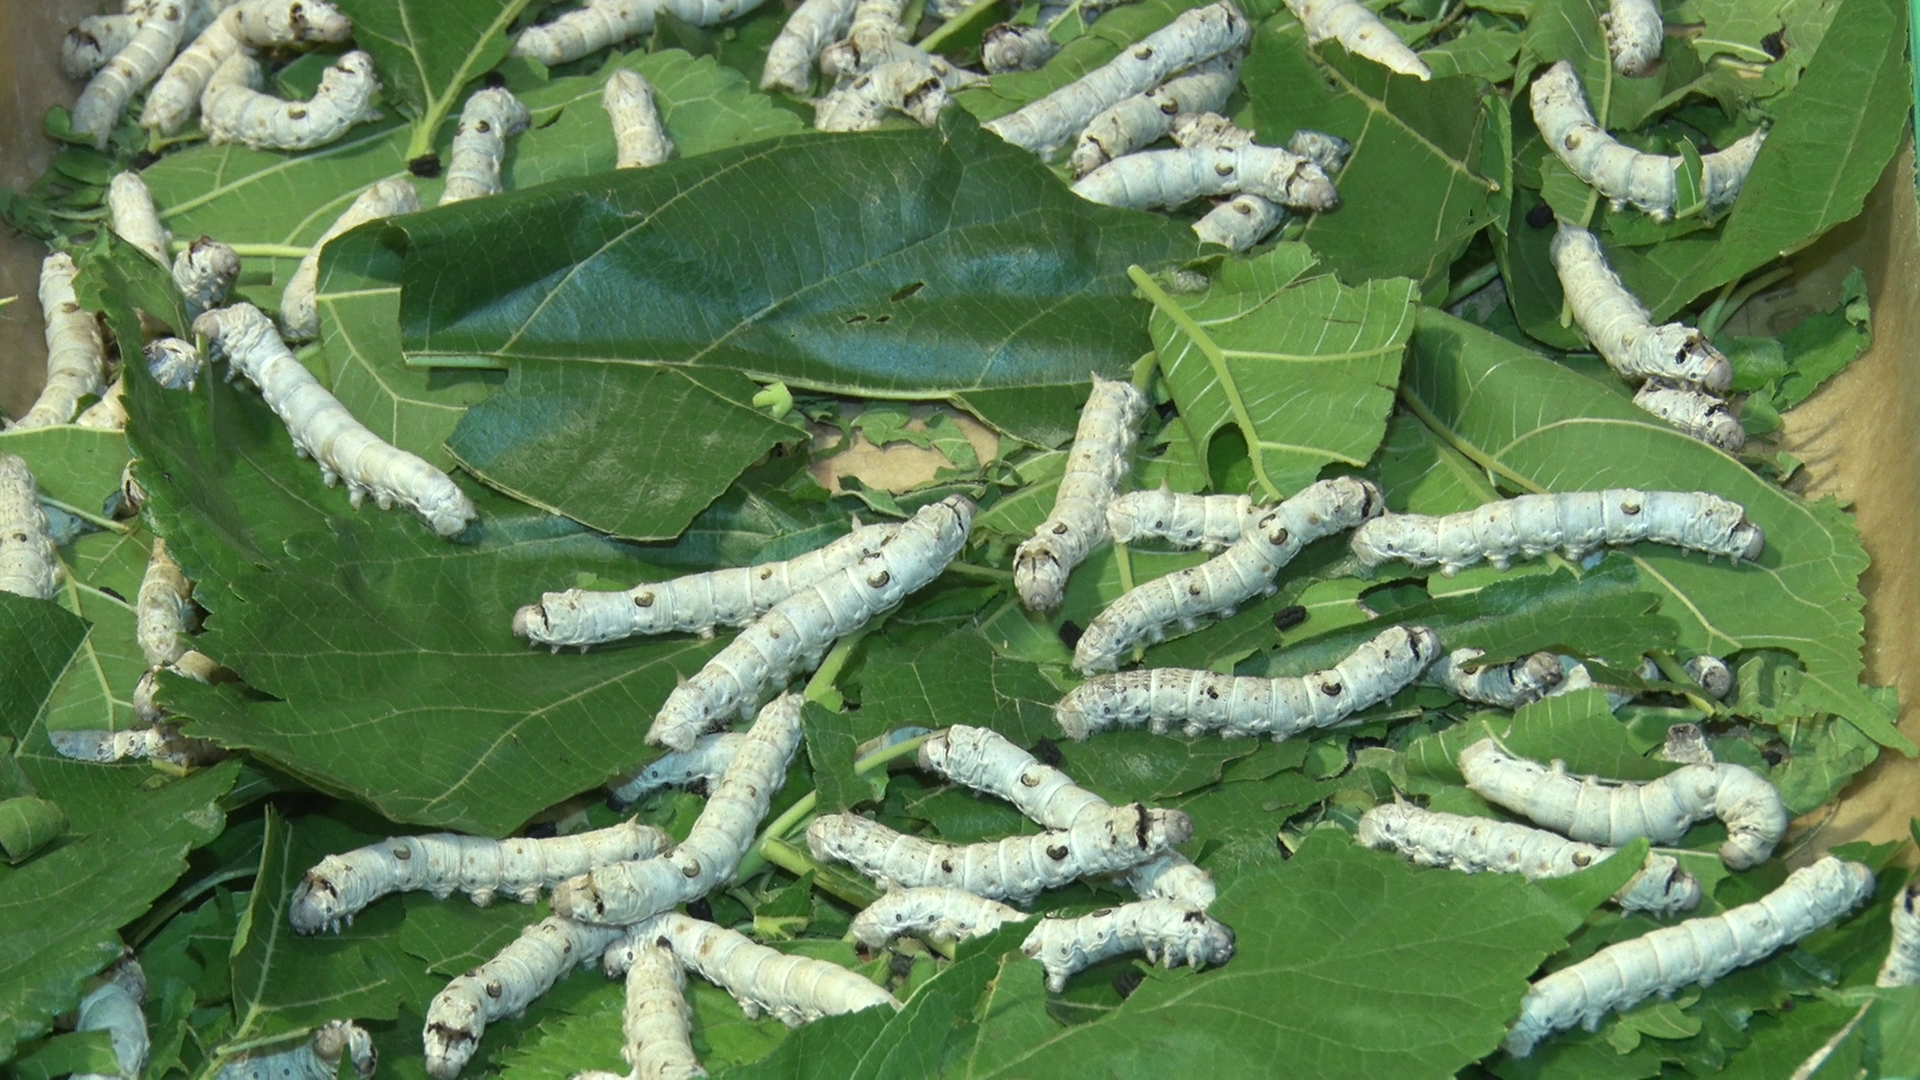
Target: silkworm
<point x="1902" y="967"/>
<point x="324" y="430"/>
<point x="1173" y="178"/>
<point x="1577" y="523"/>
<point x="1621" y="329"/>
<point x="1134" y="122"/>
<point x="1696" y="951"/>
<point x="154" y="40"/>
<point x="1193" y="37"/>
<point x="626" y="892"/>
<point x="231" y="110"/>
<point x="489" y="118"/>
<point x="1017" y="868"/>
<point x="874" y="37"/>
<point x="1661" y="810"/>
<point x="163" y="610"/>
<point x="316" y="1059"/>
<point x="1168" y="932"/>
<point x="1472" y="844"/>
<point x="705" y="763"/>
<point x="912" y="85"/>
<point x="258" y="23"/>
<point x="299" y="313"/>
<point x="1101" y="458"/>
<point x="93" y="41"/>
<point x="600" y="23"/>
<point x="798" y="630"/>
<point x="1712" y="673"/>
<point x="810" y="28"/>
<point x="1219" y="586"/>
<point x="792" y="989"/>
<point x="1625" y="175"/>
<point x="1508" y="686"/>
<point x="173" y="362"/>
<point x="657" y="1022"/>
<point x="1697" y="413"/>
<point x="204" y="273"/>
<point x="936" y="912"/>
<point x="1635" y="32"/>
<point x="130" y="209"/>
<point x="29" y="565"/>
<point x="114" y="1007"/>
<point x="107" y="414"/>
<point x="1360" y="31"/>
<point x="1208" y="522"/>
<point x="76" y="354"/>
<point x="1233" y="705"/>
<point x="639" y="136"/>
<point x="1245" y="219"/>
<point x="154" y="742"/>
<point x="505" y="986"/>
<point x="1007" y="48"/>
<point x="340" y="886"/>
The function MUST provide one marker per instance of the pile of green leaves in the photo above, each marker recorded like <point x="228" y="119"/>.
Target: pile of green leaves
<point x="640" y="374"/>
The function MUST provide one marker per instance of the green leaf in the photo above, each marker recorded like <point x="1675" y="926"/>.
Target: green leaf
<point x="831" y="750"/>
<point x="72" y="1054"/>
<point x="1578" y="728"/>
<point x="28" y="824"/>
<point x="1303" y="368"/>
<point x="429" y="50"/>
<point x="1116" y="29"/>
<point x="960" y="680"/>
<point x="75" y="468"/>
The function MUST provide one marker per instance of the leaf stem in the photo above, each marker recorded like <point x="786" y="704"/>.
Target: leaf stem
<point x="1143" y="370"/>
<point x="438" y="106"/>
<point x="985" y="573"/>
<point x="1471" y="452"/>
<point x="826" y="878"/>
<point x="1732" y="299"/>
<point x="945" y="30"/>
<point x="802" y="810"/>
<point x="821" y="684"/>
<point x="87" y="516"/>
<point x="256" y="251"/>
<point x="1479" y="279"/>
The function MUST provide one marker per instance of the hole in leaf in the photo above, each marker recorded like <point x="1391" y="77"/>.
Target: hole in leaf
<point x="906" y="292"/>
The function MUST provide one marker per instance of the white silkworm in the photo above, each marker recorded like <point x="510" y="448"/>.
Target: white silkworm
<point x="936" y="912"/>
<point x="163" y="612"/>
<point x="1249" y="705"/>
<point x="1173" y="178"/>
<point x="154" y="742"/>
<point x="914" y="84"/>
<point x="259" y="23"/>
<point x="107" y="414"/>
<point x="1902" y="967"/>
<point x="1100" y="460"/>
<point x="1167" y="931"/>
<point x="316" y="1059"/>
<point x="1006" y="48"/>
<point x="1219" y="586"/>
<point x="93" y="41"/>
<point x="1360" y="31"/>
<point x="1712" y="673"/>
<point x="114" y="1007"/>
<point x="1208" y="522"/>
<point x="1509" y="686"/>
<point x="341" y="886"/>
<point x="1687" y="745"/>
<point x="233" y="111"/>
<point x="76" y="354"/>
<point x="169" y="745"/>
<point x="1697" y="413"/>
<point x="1635" y="32"/>
<point x="1017" y="868"/>
<point x="792" y="989"/>
<point x="299" y="315"/>
<point x="324" y="430"/>
<point x="1662" y="810"/>
<point x="1625" y="175"/>
<point x="1621" y="329"/>
<point x="489" y="118"/>
<point x="1696" y="951"/>
<point x="174" y="362"/>
<point x="505" y="986"/>
<point x="29" y="565"/>
<point x="1244" y="220"/>
<point x="1577" y="523"/>
<point x="1474" y="844"/>
<point x="874" y="37"/>
<point x="600" y="23"/>
<point x="161" y="25"/>
<point x="797" y="631"/>
<point x="130" y="209"/>
<point x="204" y="273"/>
<point x="810" y="28"/>
<point x="639" y="135"/>
<point x="626" y="892"/>
<point x="705" y="763"/>
<point x="1195" y="36"/>
<point x="1134" y="122"/>
<point x="657" y="1023"/>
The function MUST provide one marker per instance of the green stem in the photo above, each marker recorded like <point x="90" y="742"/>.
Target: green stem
<point x="823" y="678"/>
<point x="440" y="105"/>
<point x="87" y="516"/>
<point x="1676" y="673"/>
<point x="1143" y="370"/>
<point x="158" y="917"/>
<point x="985" y="573"/>
<point x="933" y="41"/>
<point x="234" y="1049"/>
<point x="1732" y="299"/>
<point x="257" y="251"/>
<point x="829" y="880"/>
<point x="1472" y="283"/>
<point x="1471" y="452"/>
<point x="802" y="810"/>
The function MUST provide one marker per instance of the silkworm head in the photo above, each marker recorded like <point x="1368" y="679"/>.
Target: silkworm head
<point x="1425" y="644"/>
<point x="1749" y="540"/>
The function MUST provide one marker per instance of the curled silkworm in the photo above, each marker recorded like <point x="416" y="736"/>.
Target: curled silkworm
<point x="1634" y="34"/>
<point x="600" y="23"/>
<point x="1625" y="175"/>
<point x="1007" y="48"/>
<point x="1017" y="868"/>
<point x="1475" y="844"/>
<point x="1195" y="36"/>
<point x="639" y="136"/>
<point x="1661" y="810"/>
<point x="257" y="23"/>
<point x="316" y="1059"/>
<point x="1509" y="686"/>
<point x="936" y="912"/>
<point x="233" y="111"/>
<point x="29" y="566"/>
<point x="1167" y="931"/>
<point x="1697" y="413"/>
<point x="1621" y="329"/>
<point x="798" y="630"/>
<point x="1219" y="586"/>
<point x="505" y="986"/>
<point x="874" y="37"/>
<point x="1173" y="178"/>
<point x="810" y="28"/>
<point x="76" y="354"/>
<point x="1360" y="31"/>
<point x="153" y="742"/>
<point x="107" y="414"/>
<point x="626" y="892"/>
<point x="489" y="118"/>
<point x="1576" y="523"/>
<point x="114" y="1007"/>
<point x="657" y="1022"/>
<point x="163" y="611"/>
<point x="1696" y="951"/>
<point x="1208" y="522"/>
<point x="792" y="989"/>
<point x="174" y="362"/>
<point x="1902" y="967"/>
<point x="1249" y="705"/>
<point x="1101" y="458"/>
<point x="1244" y="220"/>
<point x="324" y="430"/>
<point x="1134" y="122"/>
<point x="204" y="273"/>
<point x="93" y="41"/>
<point x="910" y="85"/>
<point x="299" y="315"/>
<point x="130" y="209"/>
<point x="705" y="763"/>
<point x="161" y="25"/>
<point x="340" y="886"/>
